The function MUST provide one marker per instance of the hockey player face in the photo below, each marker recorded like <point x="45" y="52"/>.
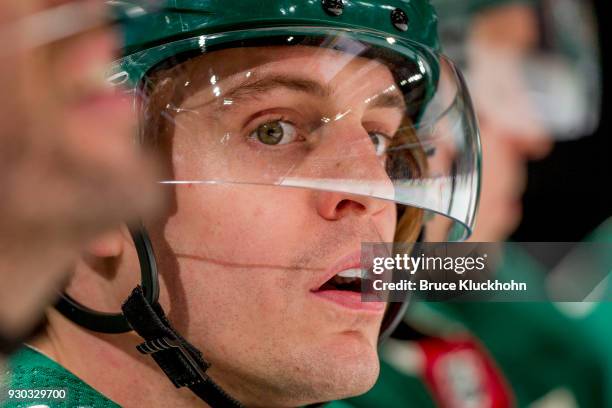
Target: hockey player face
<point x="249" y="266"/>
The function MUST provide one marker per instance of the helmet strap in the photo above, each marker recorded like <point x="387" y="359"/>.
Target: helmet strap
<point x="180" y="360"/>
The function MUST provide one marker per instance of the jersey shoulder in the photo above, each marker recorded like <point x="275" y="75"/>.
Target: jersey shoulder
<point x="29" y="369"/>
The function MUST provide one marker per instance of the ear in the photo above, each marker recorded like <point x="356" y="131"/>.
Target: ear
<point x="110" y="244"/>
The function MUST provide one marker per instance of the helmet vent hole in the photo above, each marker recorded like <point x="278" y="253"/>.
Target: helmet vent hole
<point x="333" y="7"/>
<point x="399" y="19"/>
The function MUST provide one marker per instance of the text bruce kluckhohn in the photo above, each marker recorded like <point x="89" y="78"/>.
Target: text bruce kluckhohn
<point x="458" y="265"/>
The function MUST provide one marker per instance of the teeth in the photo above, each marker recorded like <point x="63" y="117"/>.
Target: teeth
<point x="350" y="273"/>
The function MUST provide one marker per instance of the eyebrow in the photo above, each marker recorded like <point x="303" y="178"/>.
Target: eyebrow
<point x="251" y="88"/>
<point x="389" y="100"/>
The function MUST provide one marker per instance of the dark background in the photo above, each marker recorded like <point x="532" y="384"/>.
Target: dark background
<point x="570" y="192"/>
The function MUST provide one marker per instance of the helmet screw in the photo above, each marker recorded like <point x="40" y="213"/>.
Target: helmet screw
<point x="399" y="18"/>
<point x="333" y="7"/>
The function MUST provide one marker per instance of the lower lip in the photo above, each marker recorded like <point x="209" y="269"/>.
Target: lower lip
<point x="350" y="300"/>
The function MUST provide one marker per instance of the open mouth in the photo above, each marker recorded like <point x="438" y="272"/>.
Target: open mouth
<point x="348" y="280"/>
<point x="345" y="288"/>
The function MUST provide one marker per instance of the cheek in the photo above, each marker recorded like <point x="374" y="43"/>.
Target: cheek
<point x="242" y="225"/>
<point x="234" y="246"/>
<point x="389" y="222"/>
<point x="227" y="298"/>
<point x="384" y="224"/>
<point x="232" y="315"/>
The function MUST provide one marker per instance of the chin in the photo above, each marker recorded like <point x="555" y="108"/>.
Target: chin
<point x="349" y="369"/>
<point x="341" y="366"/>
<point x="360" y="376"/>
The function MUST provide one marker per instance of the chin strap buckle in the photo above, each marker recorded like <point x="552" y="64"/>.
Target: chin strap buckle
<point x="165" y="343"/>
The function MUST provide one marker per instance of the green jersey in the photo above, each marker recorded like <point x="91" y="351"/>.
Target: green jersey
<point x="32" y="376"/>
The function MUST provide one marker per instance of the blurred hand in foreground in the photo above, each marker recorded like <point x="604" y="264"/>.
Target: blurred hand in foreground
<point x="70" y="167"/>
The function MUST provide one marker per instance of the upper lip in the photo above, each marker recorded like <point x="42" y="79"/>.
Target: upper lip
<point x="350" y="261"/>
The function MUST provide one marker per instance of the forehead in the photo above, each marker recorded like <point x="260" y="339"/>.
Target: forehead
<point x="334" y="69"/>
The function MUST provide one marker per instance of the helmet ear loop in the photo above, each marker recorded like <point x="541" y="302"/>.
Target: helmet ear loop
<point x="114" y="323"/>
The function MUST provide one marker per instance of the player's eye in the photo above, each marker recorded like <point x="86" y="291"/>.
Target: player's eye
<point x="380" y="141"/>
<point x="277" y="132"/>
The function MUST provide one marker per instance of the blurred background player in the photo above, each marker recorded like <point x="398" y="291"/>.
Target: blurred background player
<point x="534" y="67"/>
<point x="68" y="161"/>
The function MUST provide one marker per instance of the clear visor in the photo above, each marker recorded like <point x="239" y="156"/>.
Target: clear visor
<point x="533" y="68"/>
<point x="347" y="112"/>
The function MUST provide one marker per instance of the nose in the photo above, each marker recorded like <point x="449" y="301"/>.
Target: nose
<point x="359" y="183"/>
<point x="334" y="206"/>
